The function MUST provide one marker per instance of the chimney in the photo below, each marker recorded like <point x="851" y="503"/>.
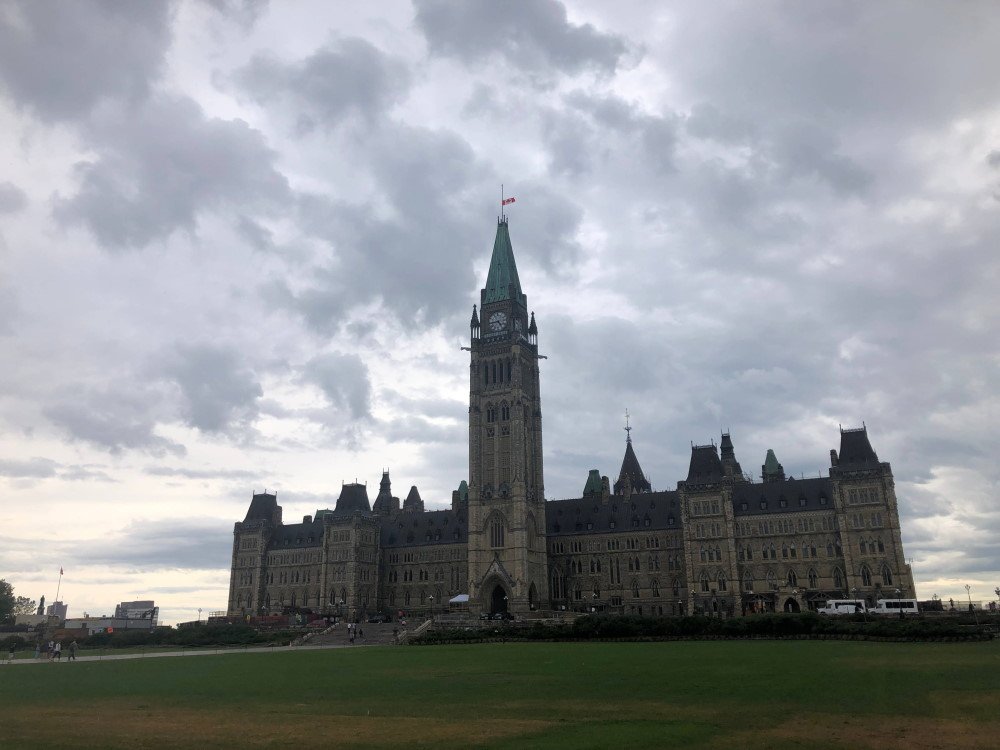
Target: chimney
<point x="833" y="457"/>
<point x="307" y="519"/>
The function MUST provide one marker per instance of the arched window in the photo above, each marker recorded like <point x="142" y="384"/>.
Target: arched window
<point x="656" y="587"/>
<point x="866" y="576"/>
<point x="720" y="579"/>
<point x="704" y="581"/>
<point x="771" y="583"/>
<point x="792" y="579"/>
<point x="748" y="582"/>
<point x="496" y="532"/>
<point x="635" y="589"/>
<point x="838" y="578"/>
<point x="494" y="372"/>
<point x="881" y="546"/>
<point x="812" y="578"/>
<point x="675" y="587"/>
<point x="718" y="553"/>
<point x="886" y="576"/>
<point x="406" y="599"/>
<point x="703" y="555"/>
<point x="486" y="373"/>
<point x="508" y="370"/>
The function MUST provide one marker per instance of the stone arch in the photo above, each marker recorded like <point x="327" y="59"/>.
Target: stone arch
<point x="791" y="605"/>
<point x="532" y="597"/>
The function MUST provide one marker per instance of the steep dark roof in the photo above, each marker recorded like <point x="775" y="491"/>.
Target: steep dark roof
<point x="799" y="495"/>
<point x="705" y="466"/>
<point x="855" y="449"/>
<point x="432" y="527"/>
<point x="587" y="515"/>
<point x="353" y="497"/>
<point x="502" y="282"/>
<point x="298" y="535"/>
<point x="263" y="507"/>
<point x="632" y="472"/>
<point x="413" y="501"/>
<point x="771" y="470"/>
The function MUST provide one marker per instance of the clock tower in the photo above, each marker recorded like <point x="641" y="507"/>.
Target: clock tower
<point x="508" y="569"/>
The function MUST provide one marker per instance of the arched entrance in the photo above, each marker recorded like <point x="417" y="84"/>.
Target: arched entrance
<point x="498" y="600"/>
<point x="791" y="605"/>
<point x="532" y="597"/>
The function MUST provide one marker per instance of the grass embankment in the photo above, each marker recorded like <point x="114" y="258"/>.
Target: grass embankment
<point x="726" y="694"/>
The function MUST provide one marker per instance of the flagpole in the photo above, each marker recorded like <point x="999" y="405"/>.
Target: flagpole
<point x="59" y="585"/>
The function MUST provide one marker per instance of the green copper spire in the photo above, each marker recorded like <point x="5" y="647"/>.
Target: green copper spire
<point x="502" y="282"/>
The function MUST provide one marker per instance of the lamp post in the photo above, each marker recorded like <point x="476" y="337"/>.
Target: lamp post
<point x="968" y="593"/>
<point x="997" y="592"/>
<point x="863" y="612"/>
<point x="199" y="615"/>
<point x="899" y="594"/>
<point x="430" y="597"/>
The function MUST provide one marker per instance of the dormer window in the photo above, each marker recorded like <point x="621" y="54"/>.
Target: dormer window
<point x="744" y="506"/>
<point x="763" y="504"/>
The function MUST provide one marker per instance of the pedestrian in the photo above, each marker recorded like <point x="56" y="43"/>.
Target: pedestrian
<point x="51" y="650"/>
<point x="361" y="633"/>
<point x="395" y="635"/>
<point x="38" y="649"/>
<point x="58" y="651"/>
<point x="13" y="648"/>
<point x="72" y="651"/>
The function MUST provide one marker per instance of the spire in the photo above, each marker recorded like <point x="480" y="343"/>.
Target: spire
<point x="413" y="502"/>
<point x="384" y="504"/>
<point x="502" y="282"/>
<point x="772" y="471"/>
<point x="474" y="323"/>
<point x="532" y="328"/>
<point x="630" y="478"/>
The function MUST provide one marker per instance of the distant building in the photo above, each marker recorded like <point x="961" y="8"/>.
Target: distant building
<point x="57" y="610"/>
<point x="109" y="624"/>
<point x="144" y="609"/>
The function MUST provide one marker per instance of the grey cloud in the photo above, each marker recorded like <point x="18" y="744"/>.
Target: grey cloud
<point x="531" y="35"/>
<point x="171" y="544"/>
<point x="993" y="158"/>
<point x="218" y="391"/>
<point x="85" y="473"/>
<point x="191" y="473"/>
<point x="244" y="12"/>
<point x="343" y="378"/>
<point x="416" y="429"/>
<point x="61" y="59"/>
<point x="31" y="468"/>
<point x="347" y="76"/>
<point x="707" y="121"/>
<point x="114" y="419"/>
<point x="160" y="167"/>
<point x="12" y="198"/>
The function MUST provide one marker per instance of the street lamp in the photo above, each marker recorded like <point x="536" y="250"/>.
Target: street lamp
<point x="430" y="597"/>
<point x="899" y="595"/>
<point x="968" y="593"/>
<point x="199" y="615"/>
<point x="863" y="612"/>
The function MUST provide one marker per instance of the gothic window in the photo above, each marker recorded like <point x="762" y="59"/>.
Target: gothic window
<point x="881" y="547"/>
<point x="784" y="552"/>
<point x="406" y="599"/>
<point x="486" y="373"/>
<point x="656" y="587"/>
<point x="774" y="555"/>
<point x="704" y="581"/>
<point x="718" y="553"/>
<point x="792" y="579"/>
<point x="829" y="550"/>
<point x="675" y="587"/>
<point x="749" y="553"/>
<point x="838" y="578"/>
<point x="508" y="370"/>
<point x="748" y="582"/>
<point x="720" y="579"/>
<point x="812" y="578"/>
<point x="495" y="372"/>
<point x="886" y="576"/>
<point x="866" y="576"/>
<point x="771" y="583"/>
<point x="703" y="555"/>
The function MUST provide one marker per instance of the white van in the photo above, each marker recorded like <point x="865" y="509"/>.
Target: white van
<point x="843" y="607"/>
<point x="896" y="606"/>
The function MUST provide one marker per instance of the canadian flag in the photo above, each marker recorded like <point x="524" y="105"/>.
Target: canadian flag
<point x="505" y="201"/>
<point x="60" y="570"/>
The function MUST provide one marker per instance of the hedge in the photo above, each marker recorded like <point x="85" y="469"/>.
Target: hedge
<point x="627" y="627"/>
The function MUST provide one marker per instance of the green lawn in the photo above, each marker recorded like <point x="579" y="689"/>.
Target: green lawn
<point x="718" y="694"/>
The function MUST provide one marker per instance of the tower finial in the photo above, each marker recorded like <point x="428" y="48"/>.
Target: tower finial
<point x="628" y="428"/>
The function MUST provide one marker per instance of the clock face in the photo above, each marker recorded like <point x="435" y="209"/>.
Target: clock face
<point x="498" y="321"/>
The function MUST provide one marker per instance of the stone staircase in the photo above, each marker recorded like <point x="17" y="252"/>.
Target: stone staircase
<point x="375" y="634"/>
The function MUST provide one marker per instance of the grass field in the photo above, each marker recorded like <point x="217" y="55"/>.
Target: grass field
<point x="718" y="694"/>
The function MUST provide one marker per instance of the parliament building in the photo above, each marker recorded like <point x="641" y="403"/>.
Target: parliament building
<point x="720" y="543"/>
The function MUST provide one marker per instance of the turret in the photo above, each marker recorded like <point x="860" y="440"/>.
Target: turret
<point x="474" y="324"/>
<point x="413" y="503"/>
<point x="730" y="466"/>
<point x="772" y="471"/>
<point x="533" y="330"/>
<point x="385" y="504"/>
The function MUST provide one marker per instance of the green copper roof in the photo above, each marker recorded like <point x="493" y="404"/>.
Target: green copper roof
<point x="771" y="465"/>
<point x="502" y="278"/>
<point x="593" y="485"/>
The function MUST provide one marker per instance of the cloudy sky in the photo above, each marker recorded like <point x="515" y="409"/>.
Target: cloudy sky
<point x="240" y="242"/>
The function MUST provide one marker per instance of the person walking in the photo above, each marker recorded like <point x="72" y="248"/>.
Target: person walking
<point x="51" y="650"/>
<point x="13" y="648"/>
<point x="58" y="651"/>
<point x="72" y="651"/>
<point x="38" y="649"/>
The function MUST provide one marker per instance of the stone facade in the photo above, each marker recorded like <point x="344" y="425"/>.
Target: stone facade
<point x="718" y="543"/>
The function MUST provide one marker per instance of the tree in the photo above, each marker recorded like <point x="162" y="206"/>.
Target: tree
<point x="25" y="606"/>
<point x="6" y="600"/>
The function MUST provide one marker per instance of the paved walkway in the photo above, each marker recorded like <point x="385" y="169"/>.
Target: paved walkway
<point x="161" y="654"/>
